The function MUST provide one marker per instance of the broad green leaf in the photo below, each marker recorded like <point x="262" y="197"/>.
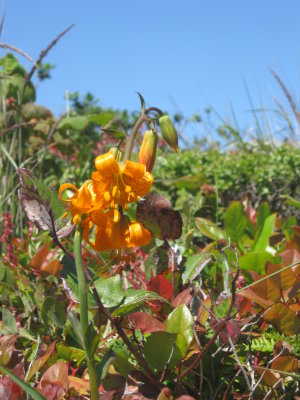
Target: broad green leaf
<point x="221" y="307"/>
<point x="110" y="291"/>
<point x="262" y="214"/>
<point x="262" y="240"/>
<point x="134" y="298"/>
<point x="210" y="229"/>
<point x="9" y="321"/>
<point x="235" y="221"/>
<point x="181" y="321"/>
<point x="256" y="261"/>
<point x="68" y="353"/>
<point x="77" y="122"/>
<point x="25" y="386"/>
<point x="159" y="346"/>
<point x="53" y="313"/>
<point x="194" y="265"/>
<point x="101" y="119"/>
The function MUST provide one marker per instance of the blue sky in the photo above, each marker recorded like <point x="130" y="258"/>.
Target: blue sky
<point x="185" y="54"/>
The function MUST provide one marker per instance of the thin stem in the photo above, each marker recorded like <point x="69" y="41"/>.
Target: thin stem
<point x="134" y="132"/>
<point x="83" y="303"/>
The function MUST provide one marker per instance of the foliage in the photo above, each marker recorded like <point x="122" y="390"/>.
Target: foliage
<point x="213" y="313"/>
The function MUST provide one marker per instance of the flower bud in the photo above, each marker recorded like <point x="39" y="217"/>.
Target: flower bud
<point x="168" y="132"/>
<point x="147" y="152"/>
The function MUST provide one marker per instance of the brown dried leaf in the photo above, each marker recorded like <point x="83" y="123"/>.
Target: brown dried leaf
<point x="157" y="215"/>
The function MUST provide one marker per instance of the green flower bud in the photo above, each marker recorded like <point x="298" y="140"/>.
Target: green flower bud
<point x="168" y="132"/>
<point x="147" y="152"/>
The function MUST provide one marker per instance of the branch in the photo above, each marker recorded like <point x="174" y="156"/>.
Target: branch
<point x="16" y="126"/>
<point x="53" y="129"/>
<point x="19" y="51"/>
<point x="43" y="54"/>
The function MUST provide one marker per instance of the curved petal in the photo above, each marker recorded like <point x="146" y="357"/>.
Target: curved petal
<point x="66" y="186"/>
<point x="133" y="169"/>
<point x="106" y="164"/>
<point x="139" y="186"/>
<point x="138" y="235"/>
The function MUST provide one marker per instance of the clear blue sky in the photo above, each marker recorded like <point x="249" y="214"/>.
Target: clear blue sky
<point x="194" y="52"/>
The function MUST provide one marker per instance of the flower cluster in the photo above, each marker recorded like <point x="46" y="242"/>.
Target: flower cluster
<point x="100" y="202"/>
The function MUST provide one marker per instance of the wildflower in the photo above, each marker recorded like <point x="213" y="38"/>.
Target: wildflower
<point x="120" y="183"/>
<point x="112" y="235"/>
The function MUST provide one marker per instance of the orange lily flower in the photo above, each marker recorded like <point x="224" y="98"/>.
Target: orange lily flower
<point x="120" y="183"/>
<point x="118" y="235"/>
<point x="112" y="185"/>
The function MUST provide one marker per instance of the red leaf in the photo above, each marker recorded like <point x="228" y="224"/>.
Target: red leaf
<point x="55" y="381"/>
<point x="146" y="323"/>
<point x="159" y="284"/>
<point x="184" y="297"/>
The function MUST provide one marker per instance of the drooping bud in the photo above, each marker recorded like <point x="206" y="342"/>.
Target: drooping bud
<point x="147" y="152"/>
<point x="168" y="132"/>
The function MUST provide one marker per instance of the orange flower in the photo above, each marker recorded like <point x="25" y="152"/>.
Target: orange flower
<point x="112" y="185"/>
<point x="118" y="235"/>
<point x="120" y="183"/>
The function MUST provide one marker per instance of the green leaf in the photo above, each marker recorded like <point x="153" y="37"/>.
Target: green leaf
<point x="210" y="229"/>
<point x="53" y="313"/>
<point x="256" y="261"/>
<point x="9" y="321"/>
<point x="77" y="122"/>
<point x="262" y="240"/>
<point x="110" y="291"/>
<point x="181" y="321"/>
<point x="25" y="386"/>
<point x="101" y="119"/>
<point x="194" y="265"/>
<point x="115" y="133"/>
<point x="159" y="346"/>
<point x="235" y="221"/>
<point x="262" y="214"/>
<point x="134" y="298"/>
<point x="102" y="367"/>
<point x="76" y="327"/>
<point x="68" y="353"/>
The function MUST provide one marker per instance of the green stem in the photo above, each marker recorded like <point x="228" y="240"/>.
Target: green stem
<point x="130" y="142"/>
<point x="83" y="302"/>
